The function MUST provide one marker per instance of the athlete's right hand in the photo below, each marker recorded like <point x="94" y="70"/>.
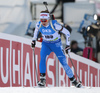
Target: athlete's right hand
<point x="33" y="43"/>
<point x="67" y="49"/>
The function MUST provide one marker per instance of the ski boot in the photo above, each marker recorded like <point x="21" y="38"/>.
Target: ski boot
<point x="75" y="83"/>
<point x="42" y="81"/>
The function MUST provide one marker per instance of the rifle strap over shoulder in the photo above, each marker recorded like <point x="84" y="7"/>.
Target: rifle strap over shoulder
<point x="52" y="26"/>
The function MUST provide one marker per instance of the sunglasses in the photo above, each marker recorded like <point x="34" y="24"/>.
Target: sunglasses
<point x="43" y="20"/>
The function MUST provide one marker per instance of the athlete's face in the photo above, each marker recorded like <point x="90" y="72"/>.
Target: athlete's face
<point x="44" y="22"/>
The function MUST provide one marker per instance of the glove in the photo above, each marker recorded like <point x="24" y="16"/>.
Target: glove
<point x="33" y="43"/>
<point x="67" y="49"/>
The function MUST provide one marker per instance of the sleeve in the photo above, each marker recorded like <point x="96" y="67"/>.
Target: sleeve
<point x="63" y="30"/>
<point x="57" y="26"/>
<point x="67" y="34"/>
<point x="36" y="31"/>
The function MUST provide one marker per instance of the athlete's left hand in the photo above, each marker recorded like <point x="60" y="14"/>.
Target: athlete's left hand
<point x="67" y="49"/>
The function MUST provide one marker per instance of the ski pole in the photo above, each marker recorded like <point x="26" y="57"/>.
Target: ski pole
<point x="35" y="66"/>
<point x="74" y="68"/>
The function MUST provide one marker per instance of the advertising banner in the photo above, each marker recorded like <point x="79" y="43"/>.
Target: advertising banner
<point x="17" y="65"/>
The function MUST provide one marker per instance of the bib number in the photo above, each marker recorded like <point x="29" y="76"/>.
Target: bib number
<point x="48" y="36"/>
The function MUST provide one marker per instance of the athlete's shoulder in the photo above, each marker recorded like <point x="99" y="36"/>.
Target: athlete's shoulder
<point x="56" y="25"/>
<point x="54" y="21"/>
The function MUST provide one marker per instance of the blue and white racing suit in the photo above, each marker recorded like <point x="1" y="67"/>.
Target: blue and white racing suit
<point x="52" y="43"/>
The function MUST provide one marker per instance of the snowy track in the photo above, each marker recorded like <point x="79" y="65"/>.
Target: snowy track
<point x="49" y="90"/>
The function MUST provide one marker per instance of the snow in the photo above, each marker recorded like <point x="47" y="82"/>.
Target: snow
<point x="49" y="90"/>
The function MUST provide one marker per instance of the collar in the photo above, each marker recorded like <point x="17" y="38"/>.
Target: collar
<point x="47" y="25"/>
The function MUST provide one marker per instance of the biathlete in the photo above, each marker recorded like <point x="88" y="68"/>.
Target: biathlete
<point x="50" y="30"/>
